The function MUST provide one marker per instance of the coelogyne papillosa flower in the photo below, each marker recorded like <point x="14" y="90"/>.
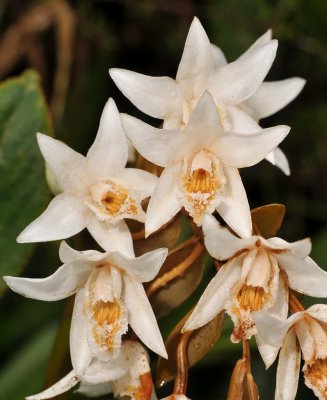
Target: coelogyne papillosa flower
<point x="201" y="166"/>
<point x="304" y="331"/>
<point x="98" y="191"/>
<point x="128" y="375"/>
<point x="237" y="89"/>
<point x="253" y="279"/>
<point x="109" y="296"/>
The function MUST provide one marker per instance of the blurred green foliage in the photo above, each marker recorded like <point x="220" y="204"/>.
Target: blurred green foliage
<point x="148" y="36"/>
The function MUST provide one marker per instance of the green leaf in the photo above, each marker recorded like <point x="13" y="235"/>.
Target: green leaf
<point x="23" y="189"/>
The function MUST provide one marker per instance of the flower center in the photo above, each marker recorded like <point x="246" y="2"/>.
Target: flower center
<point x="201" y="181"/>
<point x="251" y="298"/>
<point x="108" y="315"/>
<point x="316" y="374"/>
<point x="108" y="201"/>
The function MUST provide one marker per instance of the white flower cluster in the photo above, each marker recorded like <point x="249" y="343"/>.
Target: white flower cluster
<point x="210" y="116"/>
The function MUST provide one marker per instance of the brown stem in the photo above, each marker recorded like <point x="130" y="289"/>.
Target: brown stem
<point x="180" y="385"/>
<point x="247" y="355"/>
<point x="295" y="304"/>
<point x="176" y="271"/>
<point x="187" y="243"/>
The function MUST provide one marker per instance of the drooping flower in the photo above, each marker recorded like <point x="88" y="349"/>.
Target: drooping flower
<point x="255" y="278"/>
<point x="306" y="332"/>
<point x="237" y="89"/>
<point x="109" y="297"/>
<point x="98" y="192"/>
<point x="201" y="166"/>
<point x="128" y="375"/>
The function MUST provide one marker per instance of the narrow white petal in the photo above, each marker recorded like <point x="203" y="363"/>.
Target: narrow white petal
<point x="263" y="39"/>
<point x="68" y="166"/>
<point x="67" y="254"/>
<point x="109" y="152"/>
<point x="301" y="247"/>
<point x="142" y="181"/>
<point x="156" y="145"/>
<point x="219" y="58"/>
<point x="65" y="216"/>
<point x="155" y="96"/>
<point x="273" y="96"/>
<point x="277" y="157"/>
<point x="273" y="330"/>
<point x="237" y="81"/>
<point x="214" y="297"/>
<point x="112" y="237"/>
<point x="288" y="369"/>
<point x="203" y="125"/>
<point x="99" y="372"/>
<point x="318" y="311"/>
<point x="63" y="283"/>
<point x="58" y="388"/>
<point x="141" y="317"/>
<point x="220" y="242"/>
<point x="197" y="61"/>
<point x="143" y="268"/>
<point x="304" y="276"/>
<point x="241" y="122"/>
<point x="164" y="203"/>
<point x="80" y="352"/>
<point x="267" y="352"/>
<point x="234" y="208"/>
<point x="97" y="390"/>
<point x="240" y="151"/>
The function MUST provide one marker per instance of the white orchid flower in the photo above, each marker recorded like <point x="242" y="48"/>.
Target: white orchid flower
<point x="237" y="88"/>
<point x="304" y="331"/>
<point x="128" y="375"/>
<point x="176" y="397"/>
<point x="98" y="191"/>
<point x="109" y="296"/>
<point x="254" y="279"/>
<point x="201" y="166"/>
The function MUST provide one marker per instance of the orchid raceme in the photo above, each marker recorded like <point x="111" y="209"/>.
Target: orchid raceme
<point x="306" y="332"/>
<point x="237" y="89"/>
<point x="109" y="296"/>
<point x="128" y="375"/>
<point x="201" y="166"/>
<point x="98" y="191"/>
<point x="253" y="279"/>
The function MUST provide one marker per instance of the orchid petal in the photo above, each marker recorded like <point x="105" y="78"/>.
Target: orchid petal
<point x="164" y="203"/>
<point x="318" y="311"/>
<point x="234" y="208"/>
<point x="141" y="317"/>
<point x="301" y="247"/>
<point x="220" y="242"/>
<point x="67" y="254"/>
<point x="58" y="388"/>
<point x="237" y="81"/>
<point x="80" y="351"/>
<point x="204" y="125"/>
<point x="65" y="216"/>
<point x="99" y="372"/>
<point x="63" y="283"/>
<point x="112" y="237"/>
<point x="66" y="164"/>
<point x="197" y="62"/>
<point x="219" y="58"/>
<point x="273" y="96"/>
<point x="212" y="301"/>
<point x="142" y="181"/>
<point x="108" y="154"/>
<point x="155" y="96"/>
<point x="143" y="268"/>
<point x="304" y="276"/>
<point x="156" y="145"/>
<point x="241" y="122"/>
<point x="263" y="39"/>
<point x="277" y="157"/>
<point x="288" y="368"/>
<point x="97" y="390"/>
<point x="240" y="151"/>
